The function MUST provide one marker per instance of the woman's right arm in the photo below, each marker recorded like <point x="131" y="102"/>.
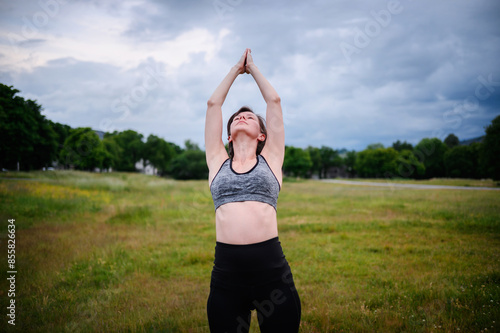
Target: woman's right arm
<point x="215" y="151"/>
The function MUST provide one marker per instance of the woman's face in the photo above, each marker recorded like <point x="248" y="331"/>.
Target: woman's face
<point x="246" y="121"/>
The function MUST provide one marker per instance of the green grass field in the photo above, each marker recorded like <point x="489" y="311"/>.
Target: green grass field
<point x="133" y="253"/>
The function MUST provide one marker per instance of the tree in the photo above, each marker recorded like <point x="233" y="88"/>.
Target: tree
<point x="26" y="136"/>
<point x="400" y="146"/>
<point x="349" y="162"/>
<point x="191" y="145"/>
<point x="297" y="161"/>
<point x="62" y="132"/>
<point x="431" y="153"/>
<point x="490" y="152"/>
<point x="159" y="153"/>
<point x="45" y="144"/>
<point x="114" y="151"/>
<point x="315" y="155"/>
<point x="132" y="149"/>
<point x="83" y="150"/>
<point x="459" y="162"/>
<point x="451" y="140"/>
<point x="375" y="146"/>
<point x="475" y="150"/>
<point x="190" y="164"/>
<point x="409" y="166"/>
<point x="379" y="162"/>
<point x="329" y="158"/>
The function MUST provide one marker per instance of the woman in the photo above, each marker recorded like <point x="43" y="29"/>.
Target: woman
<point x="250" y="270"/>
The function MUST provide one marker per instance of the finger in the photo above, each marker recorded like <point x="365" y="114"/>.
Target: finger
<point x="249" y="55"/>
<point x="243" y="58"/>
<point x="248" y="60"/>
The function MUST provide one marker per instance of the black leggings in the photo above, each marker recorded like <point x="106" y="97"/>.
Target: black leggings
<point x="248" y="277"/>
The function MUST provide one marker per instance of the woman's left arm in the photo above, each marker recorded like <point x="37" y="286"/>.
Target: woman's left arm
<point x="274" y="150"/>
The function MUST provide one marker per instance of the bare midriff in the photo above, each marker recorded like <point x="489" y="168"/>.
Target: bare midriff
<point x="246" y="222"/>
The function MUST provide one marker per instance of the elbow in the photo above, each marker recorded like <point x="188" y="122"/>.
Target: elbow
<point x="211" y="102"/>
<point x="274" y="99"/>
<point x="214" y="103"/>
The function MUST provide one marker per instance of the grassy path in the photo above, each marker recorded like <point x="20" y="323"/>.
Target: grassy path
<point x="409" y="185"/>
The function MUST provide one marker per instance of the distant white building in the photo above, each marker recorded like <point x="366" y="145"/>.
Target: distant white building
<point x="149" y="170"/>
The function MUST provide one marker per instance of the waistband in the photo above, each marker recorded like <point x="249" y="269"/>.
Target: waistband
<point x="249" y="264"/>
<point x="249" y="257"/>
<point x="248" y="246"/>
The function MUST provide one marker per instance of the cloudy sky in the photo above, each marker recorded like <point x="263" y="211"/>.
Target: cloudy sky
<point x="349" y="73"/>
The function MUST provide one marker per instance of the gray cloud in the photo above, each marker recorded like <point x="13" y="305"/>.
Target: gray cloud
<point x="349" y="73"/>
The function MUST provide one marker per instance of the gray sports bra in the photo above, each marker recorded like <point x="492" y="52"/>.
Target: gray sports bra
<point x="258" y="184"/>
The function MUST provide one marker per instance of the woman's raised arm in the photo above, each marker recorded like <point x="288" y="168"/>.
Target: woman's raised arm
<point x="274" y="150"/>
<point x="214" y="147"/>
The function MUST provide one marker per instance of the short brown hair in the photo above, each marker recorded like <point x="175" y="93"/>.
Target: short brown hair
<point x="262" y="122"/>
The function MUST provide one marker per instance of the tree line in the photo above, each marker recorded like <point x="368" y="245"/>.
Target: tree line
<point x="29" y="141"/>
<point x="430" y="158"/>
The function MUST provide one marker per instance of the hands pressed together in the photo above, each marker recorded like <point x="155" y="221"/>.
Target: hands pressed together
<point x="245" y="63"/>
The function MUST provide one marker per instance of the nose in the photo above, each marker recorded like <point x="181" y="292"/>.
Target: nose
<point x="241" y="117"/>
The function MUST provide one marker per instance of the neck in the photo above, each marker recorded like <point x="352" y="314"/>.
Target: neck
<point x="244" y="150"/>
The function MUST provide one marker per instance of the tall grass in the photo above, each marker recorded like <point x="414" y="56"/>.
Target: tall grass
<point x="133" y="253"/>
